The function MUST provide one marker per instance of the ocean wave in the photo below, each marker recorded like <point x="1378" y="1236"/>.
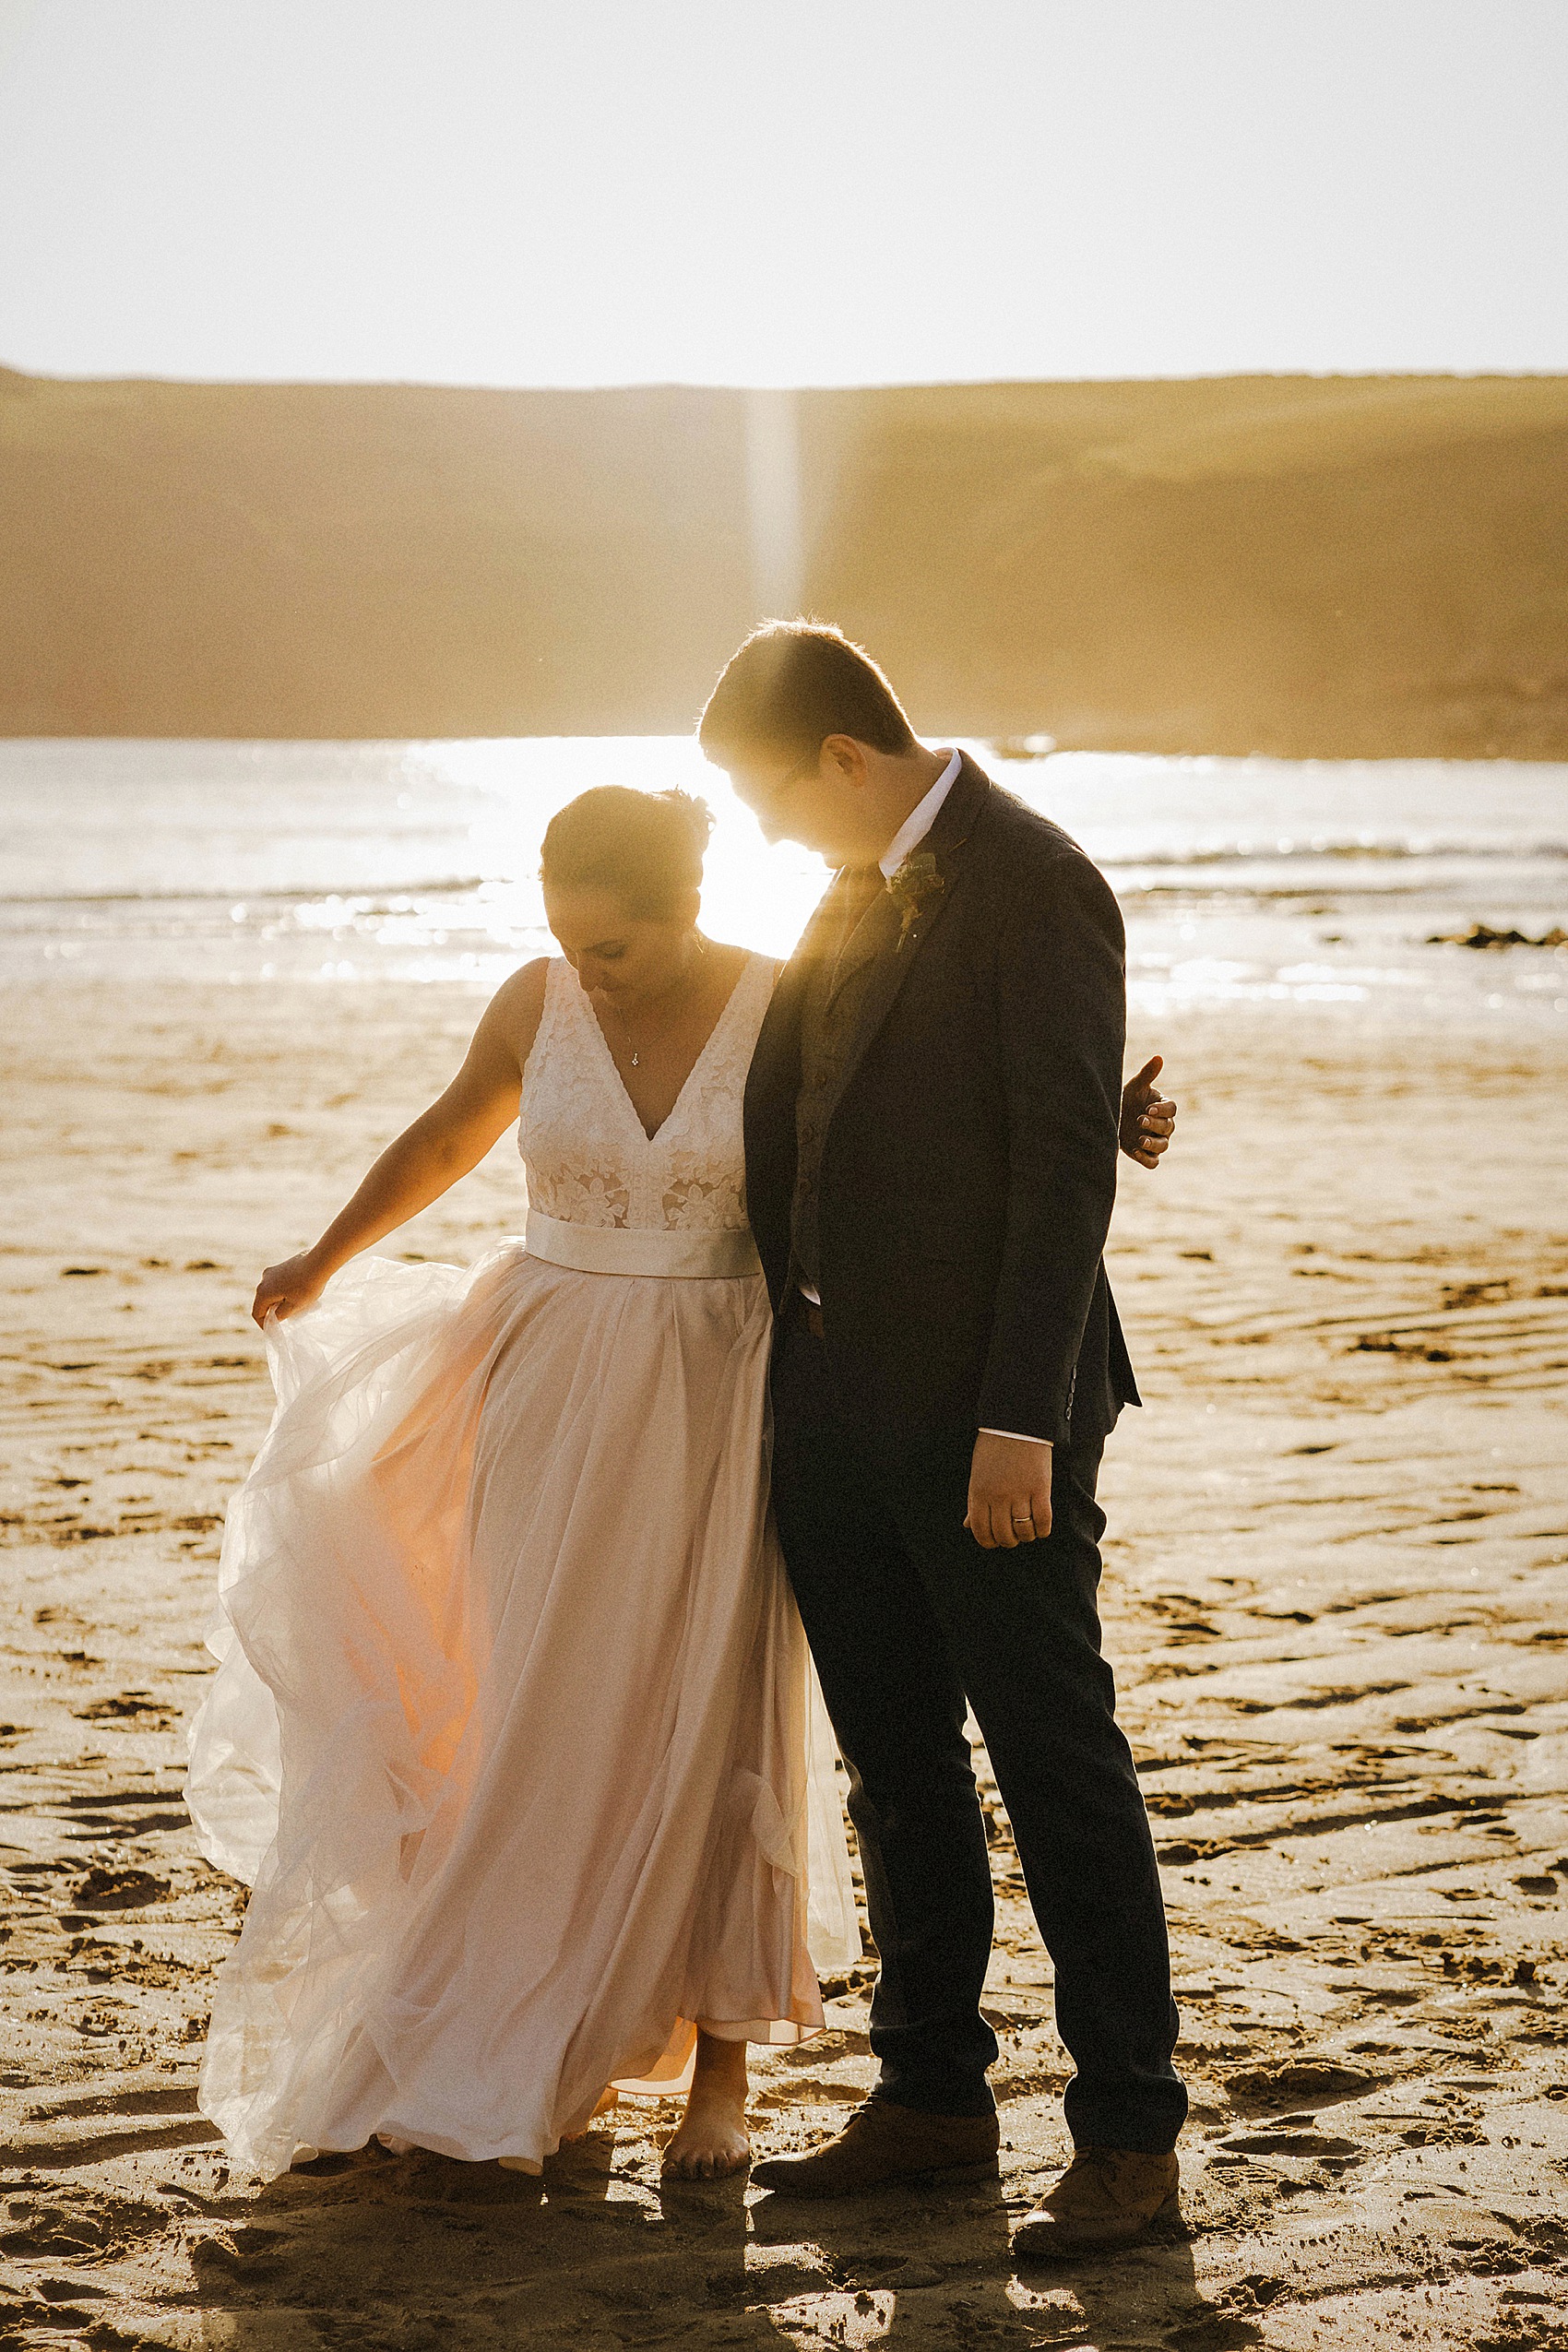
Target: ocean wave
<point x="353" y="894"/>
<point x="1118" y="861"/>
<point x="1278" y="853"/>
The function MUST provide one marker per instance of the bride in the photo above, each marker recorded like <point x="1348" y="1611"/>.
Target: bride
<point x="515" y="1735"/>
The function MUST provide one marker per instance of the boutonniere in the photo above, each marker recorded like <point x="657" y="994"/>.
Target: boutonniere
<point x="915" y="885"/>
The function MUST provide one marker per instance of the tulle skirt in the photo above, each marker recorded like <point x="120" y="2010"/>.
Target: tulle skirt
<point x="514" y="1734"/>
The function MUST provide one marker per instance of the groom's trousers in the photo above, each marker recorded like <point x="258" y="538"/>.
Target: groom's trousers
<point x="911" y="1623"/>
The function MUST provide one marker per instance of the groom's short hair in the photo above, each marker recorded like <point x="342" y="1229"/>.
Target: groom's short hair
<point x="792" y="686"/>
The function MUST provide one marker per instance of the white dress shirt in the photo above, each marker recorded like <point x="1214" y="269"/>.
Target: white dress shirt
<point x="921" y="819"/>
<point x="907" y="838"/>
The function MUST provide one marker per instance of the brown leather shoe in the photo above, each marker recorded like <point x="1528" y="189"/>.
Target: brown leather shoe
<point x="1106" y="2197"/>
<point x="881" y="2141"/>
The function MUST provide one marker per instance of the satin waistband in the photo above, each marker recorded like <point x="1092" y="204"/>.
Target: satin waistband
<point x="618" y="1249"/>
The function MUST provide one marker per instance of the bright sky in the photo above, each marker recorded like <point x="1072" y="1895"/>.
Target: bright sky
<point x="781" y="191"/>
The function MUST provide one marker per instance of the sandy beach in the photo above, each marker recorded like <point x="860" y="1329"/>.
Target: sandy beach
<point x="1335" y="1572"/>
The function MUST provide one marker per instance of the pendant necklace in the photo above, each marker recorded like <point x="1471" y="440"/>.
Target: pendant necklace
<point x="621" y="1018"/>
<point x="637" y="1050"/>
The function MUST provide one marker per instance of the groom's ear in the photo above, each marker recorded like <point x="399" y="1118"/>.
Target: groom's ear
<point x="844" y="761"/>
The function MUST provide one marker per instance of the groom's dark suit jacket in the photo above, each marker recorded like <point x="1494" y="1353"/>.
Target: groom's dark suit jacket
<point x="969" y="1165"/>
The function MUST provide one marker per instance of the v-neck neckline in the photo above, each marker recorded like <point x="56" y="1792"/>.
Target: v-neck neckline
<point x="708" y="1045"/>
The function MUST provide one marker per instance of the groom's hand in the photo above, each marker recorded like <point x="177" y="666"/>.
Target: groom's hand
<point x="1009" y="1490"/>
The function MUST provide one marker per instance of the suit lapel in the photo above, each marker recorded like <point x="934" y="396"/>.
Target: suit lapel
<point x="882" y="939"/>
<point x="875" y="931"/>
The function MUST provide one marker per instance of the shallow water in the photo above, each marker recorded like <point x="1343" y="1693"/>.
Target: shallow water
<point x="1250" y="880"/>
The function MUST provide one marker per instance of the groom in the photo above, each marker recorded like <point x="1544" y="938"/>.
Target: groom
<point x="930" y="1162"/>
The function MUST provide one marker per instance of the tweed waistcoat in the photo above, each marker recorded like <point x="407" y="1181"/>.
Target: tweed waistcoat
<point x="830" y="1013"/>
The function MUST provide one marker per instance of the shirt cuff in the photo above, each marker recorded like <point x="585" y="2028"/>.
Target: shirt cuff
<point x="1018" y="1434"/>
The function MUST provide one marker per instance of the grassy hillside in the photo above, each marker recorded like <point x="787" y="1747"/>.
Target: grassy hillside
<point x="1301" y="566"/>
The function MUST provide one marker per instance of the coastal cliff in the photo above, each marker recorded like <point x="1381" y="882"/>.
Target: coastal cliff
<point x="1307" y="567"/>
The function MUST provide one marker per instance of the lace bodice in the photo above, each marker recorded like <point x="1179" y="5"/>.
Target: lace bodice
<point x="587" y="1158"/>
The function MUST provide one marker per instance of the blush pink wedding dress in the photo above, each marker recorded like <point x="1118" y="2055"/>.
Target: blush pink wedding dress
<point x="515" y="1735"/>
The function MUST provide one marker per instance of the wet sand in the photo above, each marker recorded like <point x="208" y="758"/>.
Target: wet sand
<point x="1334" y="1594"/>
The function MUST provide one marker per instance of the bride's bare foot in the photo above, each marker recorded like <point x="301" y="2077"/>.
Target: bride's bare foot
<point x="607" y="2106"/>
<point x="711" y="2142"/>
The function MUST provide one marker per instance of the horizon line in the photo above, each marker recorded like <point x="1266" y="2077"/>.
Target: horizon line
<point x="683" y="384"/>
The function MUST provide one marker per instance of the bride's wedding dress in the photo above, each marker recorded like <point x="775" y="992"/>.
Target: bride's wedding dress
<point x="514" y="1734"/>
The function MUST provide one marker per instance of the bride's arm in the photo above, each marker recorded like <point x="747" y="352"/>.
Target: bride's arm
<point x="1148" y="1118"/>
<point x="428" y="1157"/>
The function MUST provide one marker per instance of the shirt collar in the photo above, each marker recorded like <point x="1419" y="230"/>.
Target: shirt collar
<point x="921" y="819"/>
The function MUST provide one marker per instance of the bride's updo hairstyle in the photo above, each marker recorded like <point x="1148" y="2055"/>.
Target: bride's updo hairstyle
<point x="646" y="847"/>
